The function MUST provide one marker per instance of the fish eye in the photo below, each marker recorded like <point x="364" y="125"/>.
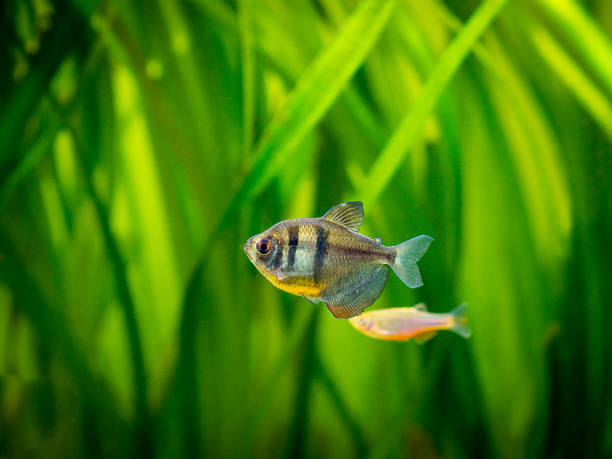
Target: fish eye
<point x="264" y="246"/>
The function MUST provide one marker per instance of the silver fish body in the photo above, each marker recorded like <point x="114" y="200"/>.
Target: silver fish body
<point x="325" y="259"/>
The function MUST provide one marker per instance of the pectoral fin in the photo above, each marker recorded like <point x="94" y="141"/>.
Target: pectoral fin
<point x="357" y="292"/>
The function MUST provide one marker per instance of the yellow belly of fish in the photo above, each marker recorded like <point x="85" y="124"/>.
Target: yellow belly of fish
<point x="404" y="336"/>
<point x="303" y="286"/>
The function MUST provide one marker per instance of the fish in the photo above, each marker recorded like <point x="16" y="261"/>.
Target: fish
<point x="325" y="259"/>
<point x="403" y="324"/>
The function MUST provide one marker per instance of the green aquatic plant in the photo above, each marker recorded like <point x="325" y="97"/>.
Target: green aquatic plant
<point x="140" y="147"/>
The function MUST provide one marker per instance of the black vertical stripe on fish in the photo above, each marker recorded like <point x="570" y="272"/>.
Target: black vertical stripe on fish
<point x="294" y="232"/>
<point x="275" y="261"/>
<point x="320" y="253"/>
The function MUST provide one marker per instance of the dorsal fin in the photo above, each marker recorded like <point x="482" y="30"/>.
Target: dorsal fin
<point x="347" y="214"/>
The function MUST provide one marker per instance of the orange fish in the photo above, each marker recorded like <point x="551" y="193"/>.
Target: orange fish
<point x="402" y="324"/>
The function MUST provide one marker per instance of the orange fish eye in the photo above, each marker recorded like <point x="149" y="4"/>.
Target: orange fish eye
<point x="264" y="246"/>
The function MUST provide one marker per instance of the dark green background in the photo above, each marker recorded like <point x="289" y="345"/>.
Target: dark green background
<point x="141" y="143"/>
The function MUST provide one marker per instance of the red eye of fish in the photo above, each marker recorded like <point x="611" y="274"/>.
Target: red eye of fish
<point x="264" y="246"/>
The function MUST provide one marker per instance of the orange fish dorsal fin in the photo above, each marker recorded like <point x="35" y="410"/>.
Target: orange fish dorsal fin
<point x="420" y="339"/>
<point x="347" y="214"/>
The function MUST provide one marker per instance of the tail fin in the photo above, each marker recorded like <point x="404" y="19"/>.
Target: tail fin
<point x="408" y="253"/>
<point x="461" y="325"/>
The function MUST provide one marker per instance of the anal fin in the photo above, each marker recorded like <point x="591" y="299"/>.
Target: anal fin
<point x="343" y="311"/>
<point x="359" y="292"/>
<point x="423" y="337"/>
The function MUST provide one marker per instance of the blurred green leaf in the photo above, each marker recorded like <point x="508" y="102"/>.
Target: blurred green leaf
<point x="248" y="73"/>
<point x="124" y="291"/>
<point x="22" y="98"/>
<point x="143" y="426"/>
<point x="54" y="333"/>
<point x="585" y="34"/>
<point x="595" y="101"/>
<point x="312" y="96"/>
<point x="410" y="126"/>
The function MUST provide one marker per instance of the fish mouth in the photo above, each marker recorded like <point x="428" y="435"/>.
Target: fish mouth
<point x="360" y="322"/>
<point x="247" y="248"/>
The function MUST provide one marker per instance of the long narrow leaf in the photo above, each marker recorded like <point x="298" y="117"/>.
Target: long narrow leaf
<point x="21" y="99"/>
<point x="132" y="327"/>
<point x="313" y="95"/>
<point x="587" y="93"/>
<point x="584" y="34"/>
<point x="248" y="73"/>
<point x="412" y="124"/>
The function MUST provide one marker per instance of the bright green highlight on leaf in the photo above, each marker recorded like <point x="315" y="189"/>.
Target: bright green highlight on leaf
<point x="410" y="127"/>
<point x="314" y="93"/>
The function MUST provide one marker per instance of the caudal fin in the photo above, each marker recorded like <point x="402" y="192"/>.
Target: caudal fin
<point x="461" y="325"/>
<point x="408" y="253"/>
